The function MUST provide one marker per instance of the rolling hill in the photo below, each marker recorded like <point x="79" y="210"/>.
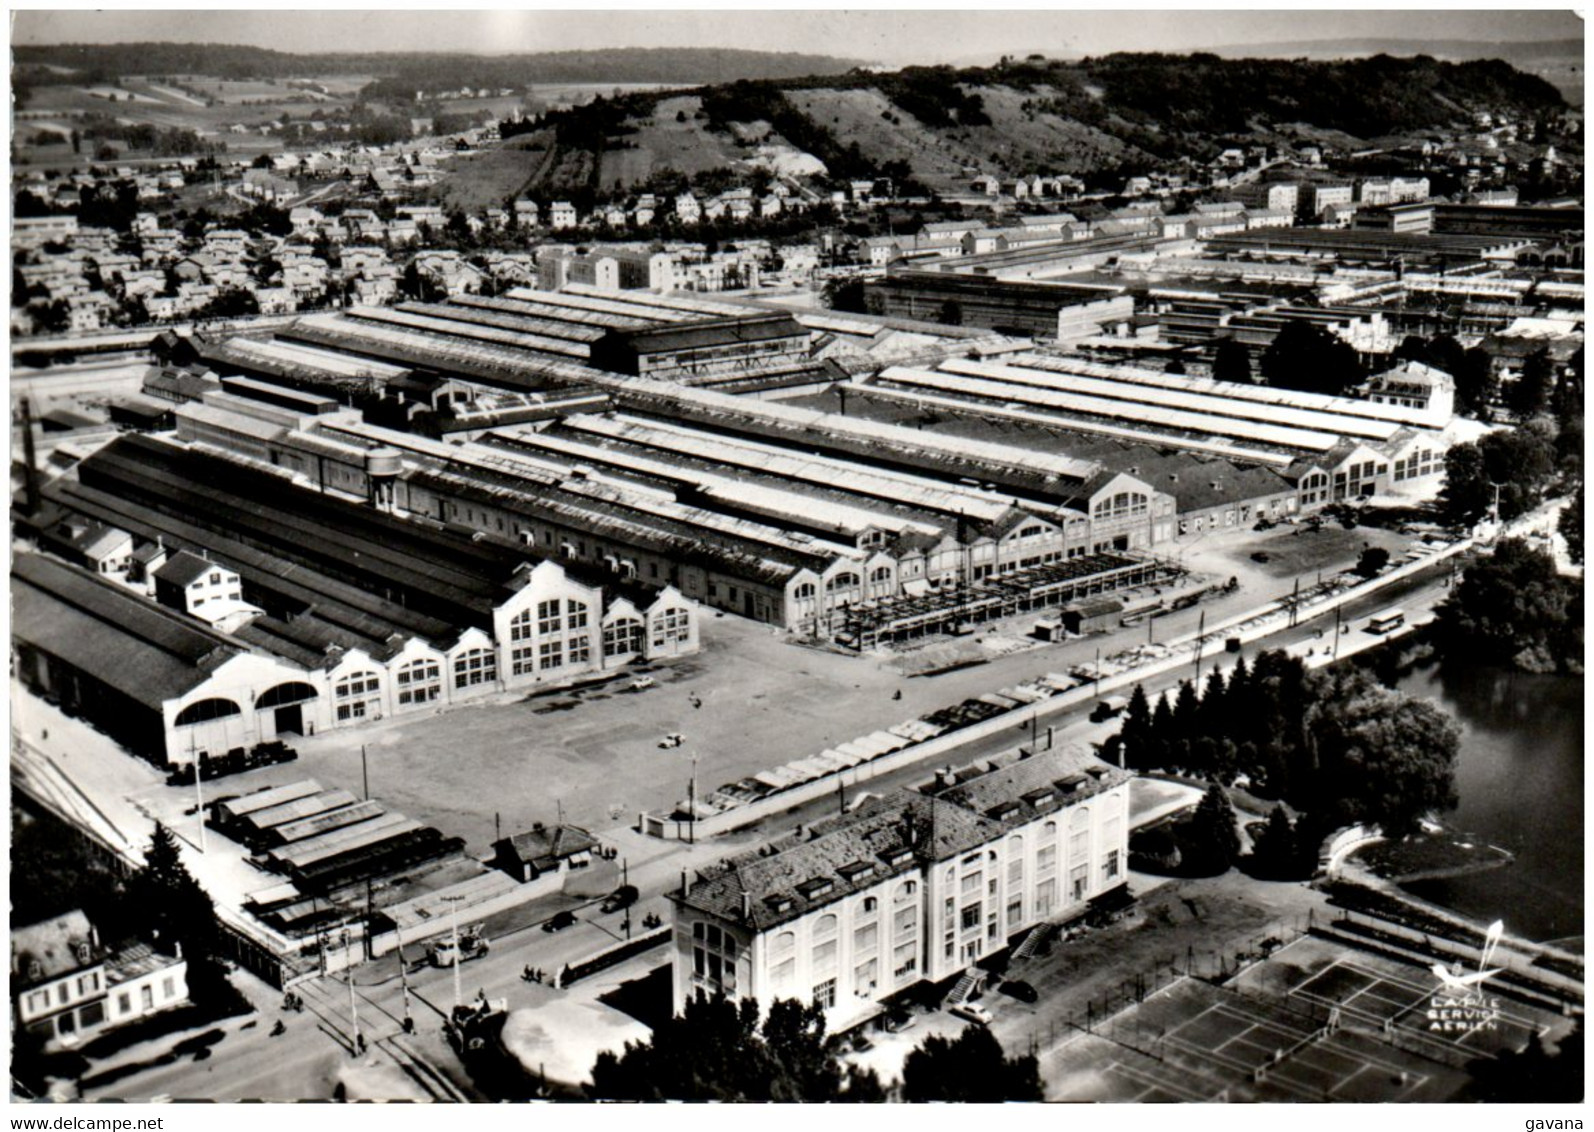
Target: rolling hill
<point x="939" y="125"/>
<point x="75" y="63"/>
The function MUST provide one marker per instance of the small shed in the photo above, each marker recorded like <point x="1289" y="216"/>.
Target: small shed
<point x="1092" y="616"/>
<point x="527" y="856"/>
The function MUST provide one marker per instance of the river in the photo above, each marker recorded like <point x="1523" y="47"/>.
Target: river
<point x="1519" y="778"/>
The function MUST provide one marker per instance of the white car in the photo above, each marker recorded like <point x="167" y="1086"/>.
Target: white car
<point x="972" y="1012"/>
<point x="642" y="682"/>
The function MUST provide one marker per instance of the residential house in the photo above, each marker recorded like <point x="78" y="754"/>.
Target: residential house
<point x="66" y="987"/>
<point x="562" y="215"/>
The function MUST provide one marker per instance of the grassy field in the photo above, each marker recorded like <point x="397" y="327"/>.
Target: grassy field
<point x="1014" y="139"/>
<point x="486" y="178"/>
<point x="663" y="142"/>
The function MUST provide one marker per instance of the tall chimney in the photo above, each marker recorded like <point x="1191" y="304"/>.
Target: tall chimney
<point x="30" y="461"/>
<point x="683" y="882"/>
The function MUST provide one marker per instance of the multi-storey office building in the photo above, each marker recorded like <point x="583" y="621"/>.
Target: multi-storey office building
<point x="912" y="888"/>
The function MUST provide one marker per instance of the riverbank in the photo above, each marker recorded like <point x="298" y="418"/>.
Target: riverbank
<point x="1432" y="855"/>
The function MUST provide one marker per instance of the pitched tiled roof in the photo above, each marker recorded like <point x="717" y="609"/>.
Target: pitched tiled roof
<point x="54" y="945"/>
<point x="183" y="568"/>
<point x="1026" y="788"/>
<point x="546" y="847"/>
<point x="884" y="837"/>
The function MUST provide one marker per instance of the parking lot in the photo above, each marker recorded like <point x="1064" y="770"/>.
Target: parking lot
<point x="751" y="700"/>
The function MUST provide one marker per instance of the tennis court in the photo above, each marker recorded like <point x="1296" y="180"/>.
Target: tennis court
<point x="1203" y="1041"/>
<point x="1368" y="997"/>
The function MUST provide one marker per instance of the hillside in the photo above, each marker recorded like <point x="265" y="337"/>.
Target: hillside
<point x="408" y="71"/>
<point x="1090" y="116"/>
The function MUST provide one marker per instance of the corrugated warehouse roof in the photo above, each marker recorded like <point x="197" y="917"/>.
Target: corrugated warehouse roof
<point x="442" y="573"/>
<point x="812" y="425"/>
<point x="471" y="315"/>
<point x="305" y="610"/>
<point x="147" y="653"/>
<point x="774" y="460"/>
<point x="1216" y="402"/>
<point x="1262" y="394"/>
<point x="1199" y="423"/>
<point x="485" y="362"/>
<point x="533" y="344"/>
<point x="533" y="304"/>
<point x="809" y="506"/>
<point x="1033" y="417"/>
<point x="747" y="327"/>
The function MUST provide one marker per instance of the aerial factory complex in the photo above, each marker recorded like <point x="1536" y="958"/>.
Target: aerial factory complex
<point x="906" y="594"/>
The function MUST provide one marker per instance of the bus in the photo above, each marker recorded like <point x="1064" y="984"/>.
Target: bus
<point x="1387" y="621"/>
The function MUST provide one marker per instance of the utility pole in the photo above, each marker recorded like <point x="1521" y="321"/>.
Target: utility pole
<point x="1096" y="672"/>
<point x="1201" y="640"/>
<point x="356" y="1040"/>
<point x="691" y="805"/>
<point x="199" y="791"/>
<point x="453" y="917"/>
<point x="404" y="985"/>
<point x="365" y="774"/>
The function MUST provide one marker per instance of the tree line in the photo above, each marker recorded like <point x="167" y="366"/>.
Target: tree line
<point x="718" y="1049"/>
<point x="1331" y="744"/>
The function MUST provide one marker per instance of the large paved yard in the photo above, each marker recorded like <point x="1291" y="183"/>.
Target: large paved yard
<point x="764" y="701"/>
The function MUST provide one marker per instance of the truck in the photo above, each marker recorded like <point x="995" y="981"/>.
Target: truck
<point x="472" y="945"/>
<point x="1108" y="708"/>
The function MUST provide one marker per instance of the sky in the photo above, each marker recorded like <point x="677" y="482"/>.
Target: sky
<point x="878" y="35"/>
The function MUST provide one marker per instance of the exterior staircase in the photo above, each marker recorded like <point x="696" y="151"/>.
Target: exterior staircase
<point x="1032" y="942"/>
<point x="966" y="986"/>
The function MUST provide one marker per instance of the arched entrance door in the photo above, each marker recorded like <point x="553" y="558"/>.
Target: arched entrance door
<point x="286" y="703"/>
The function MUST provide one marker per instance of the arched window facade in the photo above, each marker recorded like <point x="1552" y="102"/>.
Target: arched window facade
<point x="783" y="960"/>
<point x="419" y="682"/>
<point x="622" y="637"/>
<point x="288" y="692"/>
<point x="522" y="653"/>
<point x="846" y="580"/>
<point x="203" y="711"/>
<point x="358" y="696"/>
<point x="475" y="666"/>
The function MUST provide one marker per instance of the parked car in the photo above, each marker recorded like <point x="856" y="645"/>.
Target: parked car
<point x="1263" y="525"/>
<point x="643" y="682"/>
<point x="622" y="897"/>
<point x="1019" y="989"/>
<point x="559" y="922"/>
<point x="972" y="1012"/>
<point x="900" y="1020"/>
<point x="1261" y="556"/>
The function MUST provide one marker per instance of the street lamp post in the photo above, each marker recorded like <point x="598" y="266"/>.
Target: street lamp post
<point x="404" y="985"/>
